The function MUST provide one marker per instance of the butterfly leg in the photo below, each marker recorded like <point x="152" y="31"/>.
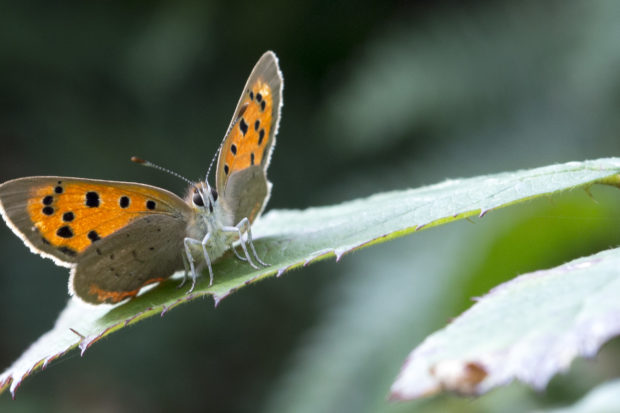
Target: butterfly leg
<point x="188" y="242"/>
<point x="186" y="265"/>
<point x="251" y="242"/>
<point x="239" y="256"/>
<point x="190" y="258"/>
<point x="188" y="253"/>
<point x="242" y="242"/>
<point x="240" y="228"/>
<point x="204" y="243"/>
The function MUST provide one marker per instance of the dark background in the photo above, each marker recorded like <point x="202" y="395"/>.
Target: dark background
<point x="378" y="96"/>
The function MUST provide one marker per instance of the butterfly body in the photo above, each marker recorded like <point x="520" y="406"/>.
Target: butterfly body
<point x="208" y="220"/>
<point x="118" y="237"/>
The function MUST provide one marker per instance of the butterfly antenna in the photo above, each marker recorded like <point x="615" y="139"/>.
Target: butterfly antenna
<point x="144" y="162"/>
<point x="212" y="161"/>
<point x="219" y="149"/>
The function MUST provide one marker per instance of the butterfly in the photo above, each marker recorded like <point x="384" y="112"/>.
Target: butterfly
<point x="117" y="237"/>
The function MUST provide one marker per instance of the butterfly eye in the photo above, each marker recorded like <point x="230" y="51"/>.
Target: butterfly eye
<point x="197" y="199"/>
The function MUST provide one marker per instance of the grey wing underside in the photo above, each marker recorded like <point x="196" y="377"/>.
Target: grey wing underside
<point x="116" y="267"/>
<point x="243" y="189"/>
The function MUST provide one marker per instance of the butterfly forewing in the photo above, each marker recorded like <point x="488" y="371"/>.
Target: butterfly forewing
<point x="251" y="134"/>
<point x="61" y="217"/>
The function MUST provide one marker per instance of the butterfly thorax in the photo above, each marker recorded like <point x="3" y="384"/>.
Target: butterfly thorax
<point x="209" y="217"/>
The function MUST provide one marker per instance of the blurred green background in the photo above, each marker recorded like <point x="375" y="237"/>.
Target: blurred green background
<point x="378" y="95"/>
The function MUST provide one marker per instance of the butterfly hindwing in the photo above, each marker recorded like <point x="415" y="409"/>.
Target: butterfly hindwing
<point x="146" y="251"/>
<point x="243" y="189"/>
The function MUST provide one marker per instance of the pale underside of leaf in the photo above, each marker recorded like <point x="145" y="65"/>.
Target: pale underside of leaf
<point x="528" y="329"/>
<point x="290" y="238"/>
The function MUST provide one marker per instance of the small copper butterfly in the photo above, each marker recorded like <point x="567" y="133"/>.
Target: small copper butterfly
<point x="118" y="237"/>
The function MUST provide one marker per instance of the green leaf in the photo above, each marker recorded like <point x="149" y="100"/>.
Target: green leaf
<point x="603" y="398"/>
<point x="289" y="238"/>
<point x="528" y="328"/>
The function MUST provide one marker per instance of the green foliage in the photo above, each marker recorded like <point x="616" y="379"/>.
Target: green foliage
<point x="603" y="398"/>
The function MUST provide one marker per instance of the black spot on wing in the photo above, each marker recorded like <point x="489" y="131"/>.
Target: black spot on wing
<point x="65" y="232"/>
<point x="243" y="126"/>
<point x="124" y="201"/>
<point x="93" y="236"/>
<point x="92" y="199"/>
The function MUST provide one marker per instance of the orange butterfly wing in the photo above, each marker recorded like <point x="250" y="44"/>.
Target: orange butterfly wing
<point x="61" y="217"/>
<point x="251" y="135"/>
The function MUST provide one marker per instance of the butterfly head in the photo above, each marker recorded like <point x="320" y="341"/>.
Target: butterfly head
<point x="202" y="196"/>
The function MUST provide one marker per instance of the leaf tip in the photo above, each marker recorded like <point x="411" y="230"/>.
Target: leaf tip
<point x="403" y="390"/>
<point x="396" y="396"/>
